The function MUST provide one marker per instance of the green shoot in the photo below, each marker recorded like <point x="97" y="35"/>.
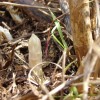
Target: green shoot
<point x="58" y="27"/>
<point x="73" y="94"/>
<point x="67" y="67"/>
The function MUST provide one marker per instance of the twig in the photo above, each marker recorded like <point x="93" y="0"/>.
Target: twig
<point x="24" y="5"/>
<point x="61" y="86"/>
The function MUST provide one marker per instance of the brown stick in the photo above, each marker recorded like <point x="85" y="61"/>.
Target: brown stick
<point x="81" y="28"/>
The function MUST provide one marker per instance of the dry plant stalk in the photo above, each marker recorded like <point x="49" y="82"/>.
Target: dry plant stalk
<point x="35" y="55"/>
<point x="96" y="34"/>
<point x="85" y="32"/>
<point x="93" y="18"/>
<point x="95" y="27"/>
<point x="90" y="62"/>
<point x="81" y="28"/>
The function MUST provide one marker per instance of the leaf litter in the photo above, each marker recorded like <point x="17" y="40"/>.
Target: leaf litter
<point x="24" y="19"/>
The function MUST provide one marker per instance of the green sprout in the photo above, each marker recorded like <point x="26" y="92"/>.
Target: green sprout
<point x="62" y="43"/>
